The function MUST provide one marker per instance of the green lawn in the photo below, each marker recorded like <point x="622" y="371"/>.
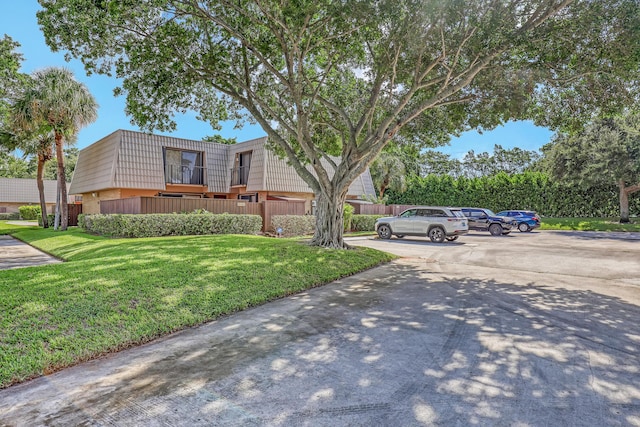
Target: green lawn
<point x="117" y="293"/>
<point x="589" y="224"/>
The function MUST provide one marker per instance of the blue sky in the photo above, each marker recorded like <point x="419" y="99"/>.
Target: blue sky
<point x="19" y="21"/>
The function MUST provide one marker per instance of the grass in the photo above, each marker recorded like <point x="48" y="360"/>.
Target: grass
<point x="589" y="224"/>
<point x="117" y="293"/>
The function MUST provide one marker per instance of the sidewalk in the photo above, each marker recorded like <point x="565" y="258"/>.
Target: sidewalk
<point x="17" y="254"/>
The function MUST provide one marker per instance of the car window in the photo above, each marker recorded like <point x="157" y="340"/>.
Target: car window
<point x="489" y="212"/>
<point x="434" y="212"/>
<point x="408" y="213"/>
<point x="459" y="214"/>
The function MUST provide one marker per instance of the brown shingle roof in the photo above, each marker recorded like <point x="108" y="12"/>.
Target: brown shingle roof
<point x="127" y="159"/>
<point x="18" y="190"/>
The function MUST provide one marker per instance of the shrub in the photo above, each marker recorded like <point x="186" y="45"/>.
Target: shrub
<point x="9" y="215"/>
<point x="365" y="222"/>
<point x="81" y="221"/>
<point x="347" y="215"/>
<point x="155" y="225"/>
<point x="30" y="212"/>
<point x="50" y="219"/>
<point x="294" y="225"/>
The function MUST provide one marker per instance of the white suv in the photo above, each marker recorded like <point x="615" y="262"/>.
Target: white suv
<point x="436" y="222"/>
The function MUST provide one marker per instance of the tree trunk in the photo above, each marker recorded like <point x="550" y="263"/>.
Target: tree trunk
<point x="624" y="202"/>
<point x="62" y="184"/>
<point x="624" y="199"/>
<point x="56" y="219"/>
<point x="330" y="221"/>
<point x="40" y="183"/>
<point x="383" y="188"/>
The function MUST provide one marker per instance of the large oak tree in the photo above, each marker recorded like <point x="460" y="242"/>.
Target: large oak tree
<point x="606" y="151"/>
<point x="343" y="78"/>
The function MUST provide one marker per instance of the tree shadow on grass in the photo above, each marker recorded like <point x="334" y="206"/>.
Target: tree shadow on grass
<point x="396" y="345"/>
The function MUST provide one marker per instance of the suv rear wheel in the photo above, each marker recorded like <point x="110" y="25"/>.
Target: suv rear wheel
<point x="495" y="229"/>
<point x="437" y="235"/>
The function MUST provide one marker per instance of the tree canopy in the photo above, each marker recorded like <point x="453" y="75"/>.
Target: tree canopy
<point x="510" y="161"/>
<point x="606" y="151"/>
<point x="343" y="78"/>
<point x="11" y="80"/>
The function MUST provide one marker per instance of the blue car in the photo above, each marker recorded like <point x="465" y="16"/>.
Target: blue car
<point x="527" y="220"/>
<point x="481" y="219"/>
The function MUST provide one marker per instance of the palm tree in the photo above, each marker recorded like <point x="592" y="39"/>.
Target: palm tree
<point x="58" y="104"/>
<point x="388" y="171"/>
<point x="39" y="145"/>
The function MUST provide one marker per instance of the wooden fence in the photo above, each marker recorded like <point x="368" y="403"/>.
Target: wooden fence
<point x="371" y="209"/>
<point x="271" y="208"/>
<point x="266" y="209"/>
<point x="147" y="205"/>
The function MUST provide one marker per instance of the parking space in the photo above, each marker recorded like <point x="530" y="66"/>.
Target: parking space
<point x="579" y="254"/>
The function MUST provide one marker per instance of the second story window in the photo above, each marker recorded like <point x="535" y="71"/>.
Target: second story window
<point x="183" y="167"/>
<point x="240" y="171"/>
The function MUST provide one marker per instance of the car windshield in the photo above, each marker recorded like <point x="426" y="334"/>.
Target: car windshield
<point x="459" y="214"/>
<point x="489" y="212"/>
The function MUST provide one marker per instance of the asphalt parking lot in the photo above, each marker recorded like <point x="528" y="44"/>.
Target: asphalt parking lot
<point x="530" y="329"/>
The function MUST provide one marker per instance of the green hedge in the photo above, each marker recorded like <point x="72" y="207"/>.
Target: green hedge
<point x="9" y="215"/>
<point x="365" y="222"/>
<point x="155" y="225"/>
<point x="531" y="190"/>
<point x="50" y="220"/>
<point x="300" y="225"/>
<point x="29" y="213"/>
<point x="294" y="225"/>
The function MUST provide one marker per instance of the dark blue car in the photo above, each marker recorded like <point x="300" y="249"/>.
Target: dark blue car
<point x="481" y="219"/>
<point x="527" y="220"/>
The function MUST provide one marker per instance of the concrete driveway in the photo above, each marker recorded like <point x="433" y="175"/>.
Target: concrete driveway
<point x="535" y="329"/>
<point x="17" y="254"/>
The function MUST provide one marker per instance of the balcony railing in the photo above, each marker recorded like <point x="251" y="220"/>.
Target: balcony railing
<point x="239" y="175"/>
<point x="176" y="174"/>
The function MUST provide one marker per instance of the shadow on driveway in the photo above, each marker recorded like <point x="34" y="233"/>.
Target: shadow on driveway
<point x="401" y="344"/>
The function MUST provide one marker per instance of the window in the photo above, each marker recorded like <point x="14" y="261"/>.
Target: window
<point x="183" y="167"/>
<point x="431" y="212"/>
<point x="240" y="171"/>
<point x="409" y="213"/>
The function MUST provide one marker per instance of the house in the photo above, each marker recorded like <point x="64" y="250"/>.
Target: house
<point x="16" y="192"/>
<point x="129" y="164"/>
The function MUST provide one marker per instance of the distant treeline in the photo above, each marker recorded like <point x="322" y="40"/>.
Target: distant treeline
<point x="528" y="190"/>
